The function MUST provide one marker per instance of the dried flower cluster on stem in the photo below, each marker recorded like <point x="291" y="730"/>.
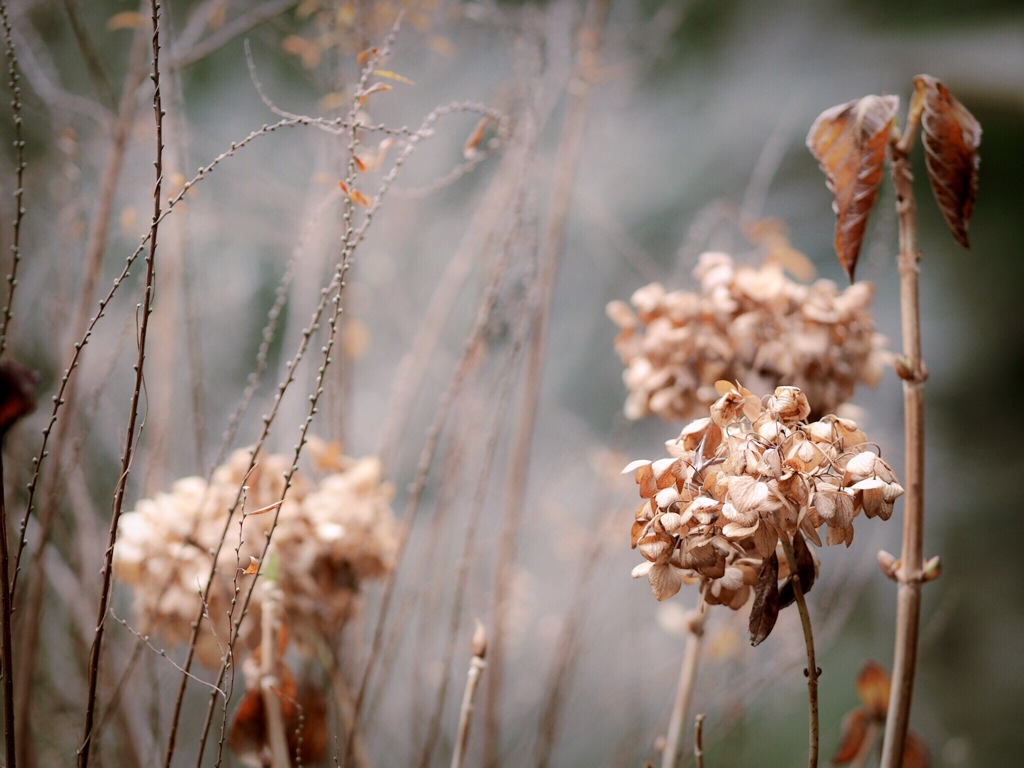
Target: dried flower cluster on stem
<point x="749" y="324"/>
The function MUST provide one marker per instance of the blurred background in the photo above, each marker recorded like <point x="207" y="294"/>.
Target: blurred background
<point x="693" y="114"/>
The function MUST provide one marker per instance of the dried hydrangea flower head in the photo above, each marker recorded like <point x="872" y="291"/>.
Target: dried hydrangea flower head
<point x="750" y="324"/>
<point x="713" y="510"/>
<point x="330" y="536"/>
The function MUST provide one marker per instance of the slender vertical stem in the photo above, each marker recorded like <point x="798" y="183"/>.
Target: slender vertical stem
<point x="270" y="682"/>
<point x="911" y="369"/>
<point x="476" y="669"/>
<point x="590" y="41"/>
<point x="128" y="454"/>
<point x="812" y="670"/>
<point x="14" y="79"/>
<point x="698" y="740"/>
<point x="5" y="628"/>
<point x="684" y="691"/>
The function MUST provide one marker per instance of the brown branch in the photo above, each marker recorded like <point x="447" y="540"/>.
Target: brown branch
<point x="684" y="691"/>
<point x="911" y="369"/>
<point x="812" y="670"/>
<point x="570" y="148"/>
<point x="130" y="437"/>
<point x="5" y="627"/>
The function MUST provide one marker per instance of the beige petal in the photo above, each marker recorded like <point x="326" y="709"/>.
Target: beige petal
<point x="860" y="467"/>
<point x="672" y="522"/>
<point x="642" y="569"/>
<point x="665" y="580"/>
<point x="666" y="497"/>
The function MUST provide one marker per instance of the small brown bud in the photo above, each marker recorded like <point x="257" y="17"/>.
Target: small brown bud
<point x="479" y="643"/>
<point x="888" y="563"/>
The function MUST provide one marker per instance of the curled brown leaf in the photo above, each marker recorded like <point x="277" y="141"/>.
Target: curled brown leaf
<point x="849" y="142"/>
<point x="765" y="610"/>
<point x="951" y="137"/>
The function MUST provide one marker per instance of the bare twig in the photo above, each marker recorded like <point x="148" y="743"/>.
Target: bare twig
<point x="14" y="80"/>
<point x="812" y="672"/>
<point x="269" y="680"/>
<point x="698" y="740"/>
<point x="912" y="371"/>
<point x="590" y="40"/>
<point x="476" y="668"/>
<point x="684" y="691"/>
<point x="5" y="628"/>
<point x="130" y="437"/>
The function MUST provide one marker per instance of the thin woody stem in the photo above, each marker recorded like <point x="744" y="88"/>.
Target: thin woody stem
<point x="911" y="369"/>
<point x="684" y="691"/>
<point x="812" y="670"/>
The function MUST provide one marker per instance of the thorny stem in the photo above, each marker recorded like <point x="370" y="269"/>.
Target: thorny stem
<point x="570" y="148"/>
<point x="684" y="692"/>
<point x="29" y="624"/>
<point x="14" y="79"/>
<point x="269" y="681"/>
<point x="5" y="627"/>
<point x="911" y="369"/>
<point x="129" y="447"/>
<point x="812" y="670"/>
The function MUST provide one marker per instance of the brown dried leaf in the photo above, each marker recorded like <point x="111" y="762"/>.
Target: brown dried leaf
<point x="665" y="580"/>
<point x="915" y="753"/>
<point x="765" y="610"/>
<point x="17" y="393"/>
<point x="127" y="20"/>
<point x="951" y="137"/>
<point x="253" y="567"/>
<point x="851" y="736"/>
<point x="472" y="145"/>
<point x="849" y="143"/>
<point x="873" y="688"/>
<point x="805" y="569"/>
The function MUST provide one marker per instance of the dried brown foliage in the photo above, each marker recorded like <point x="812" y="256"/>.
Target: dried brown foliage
<point x="849" y="142"/>
<point x="951" y="137"/>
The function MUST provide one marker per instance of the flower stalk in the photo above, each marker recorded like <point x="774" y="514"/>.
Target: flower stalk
<point x="812" y="670"/>
<point x="684" y="691"/>
<point x="912" y="370"/>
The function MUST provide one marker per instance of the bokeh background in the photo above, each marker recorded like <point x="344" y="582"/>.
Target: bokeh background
<point x="697" y="111"/>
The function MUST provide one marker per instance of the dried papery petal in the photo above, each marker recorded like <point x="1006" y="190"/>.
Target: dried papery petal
<point x="656" y="547"/>
<point x="642" y="569"/>
<point x="666" y="497"/>
<point x="620" y="314"/>
<point x="672" y="523"/>
<point x="703" y="510"/>
<point x="635" y="467"/>
<point x="665" y="580"/>
<point x="803" y="455"/>
<point x="848" y="433"/>
<point x="739" y="531"/>
<point x="789" y="405"/>
<point x="663" y="472"/>
<point x="770" y="464"/>
<point x="751" y="498"/>
<point x="860" y="467"/>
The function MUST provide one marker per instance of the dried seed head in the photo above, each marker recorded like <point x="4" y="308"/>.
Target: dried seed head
<point x="734" y="483"/>
<point x="331" y="535"/>
<point x="748" y="324"/>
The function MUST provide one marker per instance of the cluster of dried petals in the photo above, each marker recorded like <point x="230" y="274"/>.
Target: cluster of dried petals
<point x="712" y="511"/>
<point x="330" y="536"/>
<point x="747" y="324"/>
